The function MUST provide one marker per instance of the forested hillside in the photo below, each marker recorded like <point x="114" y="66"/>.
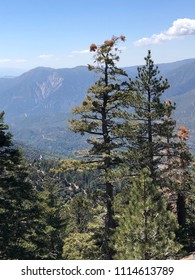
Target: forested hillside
<point x="127" y="194"/>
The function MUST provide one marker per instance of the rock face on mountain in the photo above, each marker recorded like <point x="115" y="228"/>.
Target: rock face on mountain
<point x="43" y="91"/>
<point x="38" y="103"/>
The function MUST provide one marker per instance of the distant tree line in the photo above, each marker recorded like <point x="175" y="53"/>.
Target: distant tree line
<point x="131" y="195"/>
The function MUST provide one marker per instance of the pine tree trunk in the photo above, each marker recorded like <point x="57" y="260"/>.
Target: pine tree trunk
<point x="181" y="210"/>
<point x="109" y="222"/>
<point x="150" y="137"/>
<point x="145" y="217"/>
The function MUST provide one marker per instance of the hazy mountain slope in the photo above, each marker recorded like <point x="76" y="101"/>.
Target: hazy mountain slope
<point x="44" y="91"/>
<point x="182" y="79"/>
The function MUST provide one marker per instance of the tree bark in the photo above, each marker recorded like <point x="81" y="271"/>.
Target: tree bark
<point x="181" y="210"/>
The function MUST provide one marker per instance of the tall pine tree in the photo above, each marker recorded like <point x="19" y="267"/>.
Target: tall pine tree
<point x="97" y="117"/>
<point x="154" y="125"/>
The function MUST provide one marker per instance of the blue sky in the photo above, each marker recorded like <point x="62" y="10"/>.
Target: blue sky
<point x="58" y="33"/>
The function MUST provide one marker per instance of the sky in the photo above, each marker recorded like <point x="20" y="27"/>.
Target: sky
<point x="58" y="33"/>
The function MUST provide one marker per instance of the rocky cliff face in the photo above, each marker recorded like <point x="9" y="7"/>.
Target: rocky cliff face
<point x="47" y="87"/>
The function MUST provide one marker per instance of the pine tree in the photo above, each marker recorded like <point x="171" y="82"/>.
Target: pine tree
<point x="153" y="141"/>
<point x="146" y="229"/>
<point x="18" y="202"/>
<point x="52" y="200"/>
<point x="187" y="235"/>
<point x="154" y="126"/>
<point x="84" y="230"/>
<point x="97" y="117"/>
<point x="52" y="205"/>
<point x="182" y="175"/>
<point x="182" y="179"/>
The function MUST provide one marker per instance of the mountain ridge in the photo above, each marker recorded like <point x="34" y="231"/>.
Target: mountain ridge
<point x="38" y="102"/>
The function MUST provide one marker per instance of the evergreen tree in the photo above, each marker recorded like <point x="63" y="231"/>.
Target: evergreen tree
<point x="97" y="117"/>
<point x="52" y="205"/>
<point x="154" y="126"/>
<point x="18" y="202"/>
<point x="182" y="179"/>
<point x="52" y="197"/>
<point x="182" y="175"/>
<point x="84" y="230"/>
<point x="187" y="234"/>
<point x="154" y="142"/>
<point x="146" y="229"/>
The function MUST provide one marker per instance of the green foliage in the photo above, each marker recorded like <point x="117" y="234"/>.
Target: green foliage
<point x="52" y="205"/>
<point x="183" y="181"/>
<point x="186" y="235"/>
<point x="84" y="217"/>
<point x="18" y="202"/>
<point x="155" y="126"/>
<point x="146" y="229"/>
<point x="80" y="246"/>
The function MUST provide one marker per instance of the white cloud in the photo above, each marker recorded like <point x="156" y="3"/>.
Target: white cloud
<point x="4" y="60"/>
<point x="80" y="52"/>
<point x="20" y="60"/>
<point x="180" y="28"/>
<point x="8" y="60"/>
<point x="45" y="56"/>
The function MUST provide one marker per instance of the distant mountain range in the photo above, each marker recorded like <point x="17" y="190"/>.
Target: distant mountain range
<point x="10" y="72"/>
<point x="39" y="102"/>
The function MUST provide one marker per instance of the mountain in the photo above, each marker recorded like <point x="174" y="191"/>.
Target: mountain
<point x="38" y="102"/>
<point x="43" y="91"/>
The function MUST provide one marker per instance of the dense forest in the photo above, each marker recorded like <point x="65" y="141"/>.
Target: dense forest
<point x="129" y="196"/>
